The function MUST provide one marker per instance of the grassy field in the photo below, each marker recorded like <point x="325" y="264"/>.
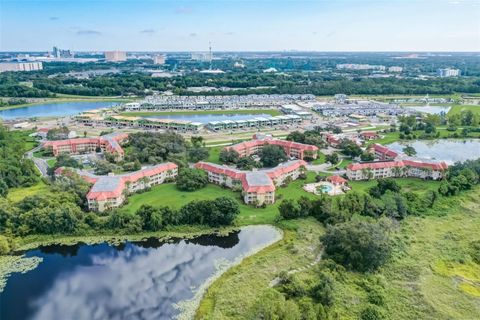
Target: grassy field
<point x="320" y="159"/>
<point x="17" y="194"/>
<point x="214" y="154"/>
<point x="407" y="184"/>
<point x="456" y="109"/>
<point x="169" y="195"/>
<point x="431" y="274"/>
<point x="272" y="112"/>
<point x="231" y="296"/>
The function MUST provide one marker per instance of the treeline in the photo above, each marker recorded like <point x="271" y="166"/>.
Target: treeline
<point x="61" y="211"/>
<point x="461" y="176"/>
<point x="139" y="84"/>
<point x="15" y="170"/>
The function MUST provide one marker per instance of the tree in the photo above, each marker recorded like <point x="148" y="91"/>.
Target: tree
<point x="371" y="312"/>
<point x="409" y="151"/>
<point x="4" y="245"/>
<point x="332" y="158"/>
<point x="382" y="186"/>
<point x="367" y="156"/>
<point x="3" y="188"/>
<point x="152" y="219"/>
<point x="215" y="213"/>
<point x="271" y="305"/>
<point x="272" y="155"/>
<point x="191" y="179"/>
<point x="196" y="154"/>
<point x="58" y="133"/>
<point x="103" y="167"/>
<point x="289" y="209"/>
<point x="350" y="148"/>
<point x="324" y="291"/>
<point x="229" y="155"/>
<point x="224" y="213"/>
<point x="296" y="136"/>
<point x="246" y="163"/>
<point x="357" y="245"/>
<point x="197" y="141"/>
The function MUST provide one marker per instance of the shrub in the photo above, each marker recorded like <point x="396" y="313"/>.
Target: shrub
<point x="357" y="245"/>
<point x="191" y="179"/>
<point x="4" y="245"/>
<point x="371" y="313"/>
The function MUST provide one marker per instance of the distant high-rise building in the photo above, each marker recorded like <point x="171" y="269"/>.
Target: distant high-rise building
<point x="447" y="72"/>
<point x="60" y="53"/>
<point x="115" y="56"/>
<point x="395" y="69"/>
<point x="20" y="66"/>
<point x="159" y="59"/>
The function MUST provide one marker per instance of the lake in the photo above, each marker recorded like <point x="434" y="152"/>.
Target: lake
<point x="132" y="280"/>
<point x="431" y="109"/>
<point x="208" y="117"/>
<point x="449" y="151"/>
<point x="54" y="109"/>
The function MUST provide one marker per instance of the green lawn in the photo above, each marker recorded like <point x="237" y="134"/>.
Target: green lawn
<point x="28" y="142"/>
<point x="320" y="159"/>
<point x="51" y="162"/>
<point x="169" y="195"/>
<point x="345" y="162"/>
<point x="456" y="109"/>
<point x="17" y="194"/>
<point x="214" y="154"/>
<point x="272" y="112"/>
<point x="407" y="184"/>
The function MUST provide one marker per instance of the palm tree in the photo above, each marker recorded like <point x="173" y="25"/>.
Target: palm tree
<point x="397" y="171"/>
<point x="428" y="172"/>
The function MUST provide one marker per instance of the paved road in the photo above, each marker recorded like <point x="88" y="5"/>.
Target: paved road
<point x="41" y="164"/>
<point x="323" y="168"/>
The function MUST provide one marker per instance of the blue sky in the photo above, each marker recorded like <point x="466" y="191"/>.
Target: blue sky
<point x="236" y="25"/>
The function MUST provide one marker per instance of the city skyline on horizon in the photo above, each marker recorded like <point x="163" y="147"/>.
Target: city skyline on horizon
<point x="241" y="26"/>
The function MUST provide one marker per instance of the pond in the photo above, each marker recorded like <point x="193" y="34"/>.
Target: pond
<point x="449" y="151"/>
<point x="431" y="109"/>
<point x="132" y="280"/>
<point x="54" y="109"/>
<point x="208" y="117"/>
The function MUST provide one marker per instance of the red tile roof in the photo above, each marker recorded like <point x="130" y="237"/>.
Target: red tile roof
<point x="110" y="142"/>
<point x="369" y="134"/>
<point x="113" y="186"/>
<point x="440" y="166"/>
<point x="287" y="145"/>
<point x="385" y="151"/>
<point x="336" y="179"/>
<point x="242" y="175"/>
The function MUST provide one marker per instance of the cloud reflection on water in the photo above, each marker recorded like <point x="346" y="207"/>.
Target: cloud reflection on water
<point x="138" y="283"/>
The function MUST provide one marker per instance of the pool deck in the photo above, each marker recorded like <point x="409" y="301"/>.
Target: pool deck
<point x="313" y="188"/>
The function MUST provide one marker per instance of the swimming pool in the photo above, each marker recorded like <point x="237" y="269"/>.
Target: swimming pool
<point x="326" y="188"/>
